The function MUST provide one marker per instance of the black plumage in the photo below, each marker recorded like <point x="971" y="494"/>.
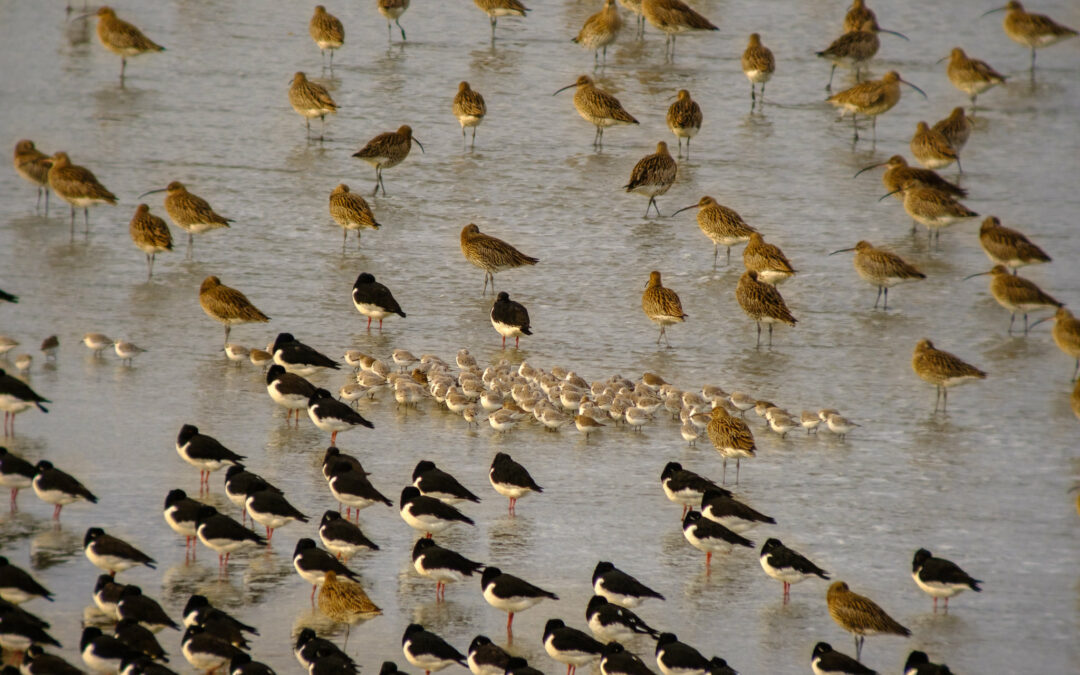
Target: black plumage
<point x="511" y="479"/>
<point x="288" y="390"/>
<point x="104" y="653"/>
<point x="787" y="565"/>
<point x="37" y="661"/>
<point x="427" y="650"/>
<point x="619" y="587"/>
<point x="143" y="609"/>
<point x="486" y="657"/>
<point x="16" y="584"/>
<point x="299" y="358"/>
<point x="510" y="318"/>
<point x="107" y="594"/>
<point x="242" y="664"/>
<point x="8" y="297"/>
<point x="332" y="415"/>
<point x="18" y="631"/>
<point x="17" y="389"/>
<point x="610" y="622"/>
<point x="718" y="666"/>
<point x="685" y="487"/>
<point x="428" y="514"/>
<point x="441" y="564"/>
<point x="137" y="664"/>
<point x="342" y="537"/>
<point x="569" y="645"/>
<point x="710" y="536"/>
<point x="223" y="534"/>
<point x="678" y="658"/>
<point x="241" y="484"/>
<point x="15" y="472"/>
<point x="374" y="300"/>
<point x="204" y="452"/>
<point x="519" y="666"/>
<point x="617" y="661"/>
<point x="333" y="455"/>
<point x="181" y="513"/>
<point x="139" y="638"/>
<point x="312" y="563"/>
<point x="434" y="482"/>
<point x="270" y="509"/>
<point x="206" y="651"/>
<point x="354" y="489"/>
<point x="721" y="507"/>
<point x="827" y="661"/>
<point x="112" y="554"/>
<point x="918" y="663"/>
<point x="311" y="649"/>
<point x="9" y="608"/>
<point x="940" y="577"/>
<point x="199" y="612"/>
<point x="59" y="488"/>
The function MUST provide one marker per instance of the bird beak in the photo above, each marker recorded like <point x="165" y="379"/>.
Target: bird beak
<point x="892" y="32"/>
<point x="418" y="143"/>
<point x="692" y="206"/>
<point x="843" y="250"/>
<point x="890" y="194"/>
<point x="867" y="168"/>
<point x="915" y="88"/>
<point x="1047" y="318"/>
<point x="979" y="274"/>
<point x="992" y="11"/>
<point x="87" y="16"/>
<point x="150" y="193"/>
<point x="565" y="88"/>
<point x="942" y="59"/>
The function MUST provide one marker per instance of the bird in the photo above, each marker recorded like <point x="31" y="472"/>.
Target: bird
<point x="770" y="263"/>
<point x="942" y="369"/>
<point x="15" y="397"/>
<point x="491" y="254"/>
<point x="189" y="212"/>
<point x="1031" y="30"/>
<point x="343" y="538"/>
<point x="97" y="343"/>
<point x="1066" y="334"/>
<point x="653" y="176"/>
<point x="312" y="563"/>
<point x="617" y="661"/>
<point x="496" y="8"/>
<point x="511" y="594"/>
<point x="570" y="645"/>
<point x="860" y="615"/>
<point x="223" y="534"/>
<point x="428" y="651"/>
<point x="288" y="390"/>
<point x="242" y="664"/>
<point x="205" y="651"/>
<point x="428" y="514"/>
<point x="270" y="509"/>
<point x="387" y="150"/>
<point x="931" y="149"/>
<point x="597" y="107"/>
<point x="297" y="357"/>
<point x="441" y="564"/>
<point x="204" y="452"/>
<point x="600" y="30"/>
<point x="345" y="601"/>
<point x="469" y="109"/>
<point x="181" y="514"/>
<point x="723" y="226"/>
<point x="509" y="318"/>
<point x="111" y="554"/>
<point x="351" y="212"/>
<point x="758" y="64"/>
<point x="710" y="536"/>
<point x="434" y="482"/>
<point x="511" y="479"/>
<point x="327" y="31"/>
<point x="730" y="436"/>
<point x="143" y="609"/>
<point x="918" y="663"/>
<point x="858" y="14"/>
<point x="15" y="473"/>
<point x="199" y="612"/>
<point x="120" y="37"/>
<point x="241" y="484"/>
<point x="586" y="425"/>
<point x="684" y="119"/>
<point x="227" y="305"/>
<point x="854" y="48"/>
<point x="49" y="347"/>
<point x="1009" y="247"/>
<point x="882" y="269"/>
<point x="17" y="586"/>
<point x="940" y="578"/>
<point x="310" y="99"/>
<point x="107" y="594"/>
<point x="485" y="657"/>
<point x="103" y="653"/>
<point x="127" y="351"/>
<point x="311" y="650"/>
<point x="332" y="415"/>
<point x="673" y="17"/>
<point x="678" y="658"/>
<point x="611" y="622"/>
<point x="392" y="11"/>
<point x="899" y="173"/>
<point x="140" y="638"/>
<point x="661" y="305"/>
<point x="827" y="661"/>
<point x="685" y="487"/>
<point x="1016" y="294"/>
<point x="762" y="302"/>
<point x="39" y="662"/>
<point x="56" y="487"/>
<point x="33" y="165"/>
<point x="971" y="76"/>
<point x="77" y="186"/>
<point x="932" y="208"/>
<point x="786" y="565"/>
<point x="619" y="587"/>
<point x="870" y="99"/>
<point x="720" y="506"/>
<point x="374" y="300"/>
<point x="351" y="487"/>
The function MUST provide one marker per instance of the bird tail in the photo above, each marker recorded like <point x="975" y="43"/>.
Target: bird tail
<point x="42" y="408"/>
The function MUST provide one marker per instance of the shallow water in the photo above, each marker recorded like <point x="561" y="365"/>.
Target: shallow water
<point x="984" y="485"/>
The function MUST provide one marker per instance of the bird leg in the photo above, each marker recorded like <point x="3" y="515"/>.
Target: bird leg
<point x="333" y="438"/>
<point x="737" y="459"/>
<point x="832" y="72"/>
<point x="401" y="29"/>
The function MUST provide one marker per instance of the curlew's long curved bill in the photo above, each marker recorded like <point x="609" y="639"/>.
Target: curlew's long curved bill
<point x="569" y="86"/>
<point x="844" y="250"/>
<point x="915" y="88"/>
<point x="890" y="194"/>
<point x="977" y="274"/>
<point x="867" y="168"/>
<point x="1047" y="318"/>
<point x="418" y="143"/>
<point x="83" y="16"/>
<point x="893" y="32"/>
<point x="692" y="206"/>
<point x="151" y="192"/>
<point x="992" y="11"/>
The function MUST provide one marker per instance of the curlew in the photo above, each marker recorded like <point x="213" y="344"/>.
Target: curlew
<point x="1031" y="30"/>
<point x="882" y="269"/>
<point x="77" y="186"/>
<point x="597" y="107"/>
<point x="898" y="173"/>
<point x="328" y="33"/>
<point x="871" y="98"/>
<point x="943" y="370"/>
<point x="150" y="234"/>
<point x="600" y="30"/>
<point x="857" y="15"/>
<point x="731" y="437"/>
<point x="345" y="601"/>
<point x="673" y="17"/>
<point x="310" y="100"/>
<point x="189" y="212"/>
<point x="758" y="64"/>
<point x="469" y="109"/>
<point x="661" y="305"/>
<point x="762" y="302"/>
<point x="932" y="208"/>
<point x="33" y="165"/>
<point x="770" y="263"/>
<point x="1066" y="334"/>
<point x="653" y="175"/>
<point x="120" y="37"/>
<point x="851" y="50"/>
<point x="931" y="148"/>
<point x="351" y="212"/>
<point x="496" y="8"/>
<point x="723" y="226"/>
<point x="859" y="615"/>
<point x="392" y="11"/>
<point x="227" y="305"/>
<point x="1005" y="246"/>
<point x="956" y="128"/>
<point x="491" y="254"/>
<point x="971" y="76"/>
<point x="1016" y="294"/>
<point x="684" y="119"/>
<point x="388" y="150"/>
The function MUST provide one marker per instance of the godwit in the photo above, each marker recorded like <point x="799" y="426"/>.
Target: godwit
<point x="943" y="370"/>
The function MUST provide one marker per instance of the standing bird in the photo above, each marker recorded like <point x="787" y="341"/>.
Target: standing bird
<point x="770" y="263"/>
<point x="597" y="107"/>
<point x="1016" y="294"/>
<point x="943" y="370"/>
<point x="374" y="300"/>
<point x="933" y="208"/>
<point x="33" y="165"/>
<point x="1031" y="30"/>
<point x="860" y="615"/>
<point x="351" y="212"/>
<point x="328" y="33"/>
<point x="312" y="564"/>
<point x="310" y="99"/>
<point x="857" y="15"/>
<point x="511" y="594"/>
<point x="854" y="49"/>
<point x="206" y="651"/>
<point x="491" y="254"/>
<point x="77" y="186"/>
<point x="189" y="212"/>
<point x="684" y="119"/>
<point x="870" y="99"/>
<point x="331" y="415"/>
<point x="181" y="513"/>
<point x="898" y="173"/>
<point x="827" y="661"/>
<point x="971" y="76"/>
<point x="15" y="397"/>
<point x="940" y="578"/>
<point x="509" y="318"/>
<point x="918" y="663"/>
<point x="678" y="658"/>
<point x="723" y="226"/>
<point x="204" y="452"/>
<point x="956" y="128"/>
<point x="288" y="390"/>
<point x="342" y="538"/>
<point x="685" y="487"/>
<point x="223" y="534"/>
<point x="17" y="586"/>
<point x="731" y="437"/>
<point x="1008" y="247"/>
<point x="270" y="509"/>
<point x="441" y="564"/>
<point x="496" y="8"/>
<point x="600" y="30"/>
<point x="345" y="601"/>
<point x="758" y="64"/>
<point x="511" y="479"/>
<point x="298" y="357"/>
<point x="787" y="566"/>
<point x="709" y="536"/>
<point x="120" y="37"/>
<point x="610" y="622"/>
<point x="111" y="554"/>
<point x="428" y="514"/>
<point x="673" y="17"/>
<point x="388" y="150"/>
<point x="486" y="657"/>
<point x="227" y="305"/>
<point x="931" y="148"/>
<point x="617" y="661"/>
<point x="762" y="302"/>
<point x="469" y="109"/>
<point x="56" y="487"/>
<point x="427" y="650"/>
<point x="661" y="305"/>
<point x="881" y="268"/>
<point x="15" y="473"/>
<point x="1066" y="334"/>
<point x="653" y="176"/>
<point x="619" y="587"/>
<point x="434" y="482"/>
<point x="150" y="234"/>
<point x="392" y="11"/>
<point x="570" y="645"/>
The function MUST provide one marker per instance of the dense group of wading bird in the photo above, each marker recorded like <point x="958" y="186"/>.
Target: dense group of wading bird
<point x="506" y="396"/>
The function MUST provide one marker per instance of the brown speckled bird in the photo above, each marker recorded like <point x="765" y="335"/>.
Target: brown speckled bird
<point x="597" y="107"/>
<point x="731" y="437"/>
<point x="758" y="65"/>
<point x="600" y="30"/>
<point x="653" y="176"/>
<point x="120" y="37"/>
<point x="857" y="15"/>
<point x="77" y="186"/>
<point x="1016" y="294"/>
<point x="392" y="11"/>
<point x="227" y="305"/>
<point x="1031" y="30"/>
<point x="859" y="615"/>
<point x="971" y="76"/>
<point x="150" y="234"/>
<point x="684" y="119"/>
<point x="327" y="31"/>
<point x="661" y="305"/>
<point x="723" y="226"/>
<point x="345" y="601"/>
<point x="469" y="109"/>
<point x="309" y="100"/>
<point x="899" y="172"/>
<point x="672" y="17"/>
<point x="1066" y="334"/>
<point x="189" y="212"/>
<point x="882" y="269"/>
<point x="351" y="212"/>
<point x="931" y="149"/>
<point x="943" y="370"/>
<point x="956" y="128"/>
<point x="496" y="8"/>
<point x="491" y="254"/>
<point x="762" y="303"/>
<point x="1008" y="247"/>
<point x="870" y="99"/>
<point x="770" y="263"/>
<point x="388" y="150"/>
<point x="33" y="165"/>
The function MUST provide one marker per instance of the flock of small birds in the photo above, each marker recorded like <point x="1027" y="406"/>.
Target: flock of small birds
<point x="506" y="396"/>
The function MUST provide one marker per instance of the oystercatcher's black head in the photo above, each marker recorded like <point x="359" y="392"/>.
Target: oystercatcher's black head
<point x="613" y="648"/>
<point x="195" y="602"/>
<point x="410" y="630"/>
<point x="914" y="659"/>
<point x="422" y="467"/>
<point x="490" y="574"/>
<point x="421" y="545"/>
<point x="921" y="556"/>
<point x="204" y="513"/>
<point x="103" y="580"/>
<point x="502" y="297"/>
<point x="175" y="495"/>
<point x="602" y="568"/>
<point x="92" y="534"/>
<point x="329" y="517"/>
<point x="388" y="668"/>
<point x="410" y="492"/>
<point x="303" y="545"/>
<point x="318" y="395"/>
<point x="670" y="469"/>
<point x="282" y="339"/>
<point x="89" y="634"/>
<point x="478" y="641"/>
<point x="43" y="465"/>
<point x="691" y="517"/>
<point x="365" y="278"/>
<point x="233" y="470"/>
<point x="712" y="494"/>
<point x="305" y="636"/>
<point x="821" y="648"/>
<point x="130" y="591"/>
<point x="186" y="432"/>
<point x="501" y="458"/>
<point x="595" y="603"/>
<point x="275" y="371"/>
<point x="553" y="625"/>
<point x="770" y="545"/>
<point x="665" y="639"/>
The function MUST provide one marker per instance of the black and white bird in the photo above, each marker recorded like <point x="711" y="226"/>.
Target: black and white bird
<point x="332" y="415"/>
<point x="242" y="664"/>
<point x="204" y="452"/>
<point x="270" y="509"/>
<point x="140" y="638"/>
<point x="312" y="563"/>
<point x="486" y="657"/>
<point x="138" y="664"/>
<point x="143" y="609"/>
<point x="103" y="653"/>
<point x="223" y="534"/>
<point x="570" y="645"/>
<point x="721" y="507"/>
<point x="333" y="455"/>
<point x="288" y="390"/>
<point x="53" y="486"/>
<point x="353" y="489"/>
<point x="434" y="482"/>
<point x="940" y="578"/>
<point x="181" y="513"/>
<point x="15" y="397"/>
<point x="710" y="537"/>
<point x="718" y="666"/>
<point x="241" y="484"/>
<point x="428" y="651"/>
<point x="511" y="594"/>
<point x="510" y="319"/>
<point x="112" y="554"/>
<point x="510" y="479"/>
<point x="107" y="594"/>
<point x="827" y="661"/>
<point x="441" y="564"/>
<point x="20" y="629"/>
<point x="918" y="663"/>
<point x="39" y="662"/>
<point x="617" y="661"/>
<point x="428" y="514"/>
<point x="206" y="651"/>
<point x="15" y="473"/>
<point x="311" y="650"/>
<point x="374" y="300"/>
<point x="787" y="566"/>
<point x="685" y="487"/>
<point x="678" y="658"/>
<point x="520" y="666"/>
<point x="297" y="357"/>
<point x="610" y="622"/>
<point x="199" y="612"/>
<point x="342" y="538"/>
<point x="619" y="587"/>
<point x="17" y="586"/>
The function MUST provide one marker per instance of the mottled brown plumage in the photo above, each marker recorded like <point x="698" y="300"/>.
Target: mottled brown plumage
<point x="882" y="269"/>
<point x="673" y="17"/>
<point x="490" y="253"/>
<point x="351" y="212"/>
<point x="684" y="119"/>
<point x="899" y="173"/>
<point x="723" y="226"/>
<point x="227" y="305"/>
<point x="770" y="263"/>
<point x="1066" y="334"/>
<point x="731" y="437"/>
<point x="597" y="107"/>
<point x="858" y="15"/>
<point x="150" y="234"/>
<point x="1032" y="30"/>
<point x="758" y="65"/>
<point x="120" y="37"/>
<point x="469" y="109"/>
<point x="931" y="148"/>
<point x="870" y="98"/>
<point x="77" y="186"/>
<point x="496" y="8"/>
<point x="190" y="212"/>
<point x="956" y="128"/>
<point x="653" y="175"/>
<point x="971" y="76"/>
<point x="345" y="601"/>
<point x="661" y="305"/>
<point x="328" y="33"/>
<point x="762" y="302"/>
<point x="33" y="165"/>
<point x="600" y="30"/>
<point x="933" y="208"/>
<point x="387" y="150"/>
<point x="309" y="100"/>
<point x="852" y="50"/>
<point x="859" y="615"/>
<point x="392" y="11"/>
<point x="1017" y="294"/>
<point x="1006" y="246"/>
<point x="942" y="369"/>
